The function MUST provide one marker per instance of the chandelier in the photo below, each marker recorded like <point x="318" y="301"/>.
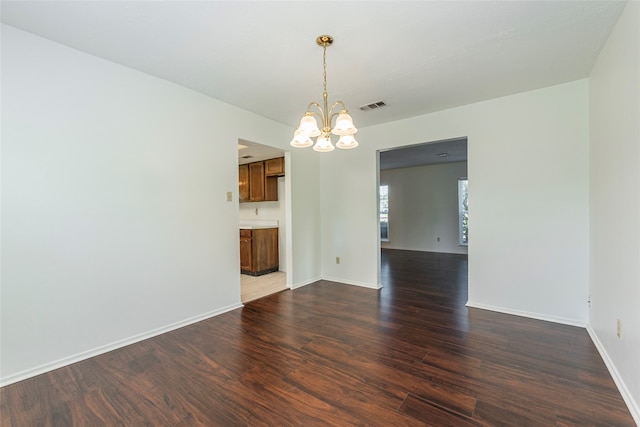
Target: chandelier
<point x="309" y="126"/>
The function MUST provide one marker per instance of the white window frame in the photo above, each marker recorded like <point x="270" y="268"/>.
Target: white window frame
<point x="383" y="194"/>
<point x="463" y="212"/>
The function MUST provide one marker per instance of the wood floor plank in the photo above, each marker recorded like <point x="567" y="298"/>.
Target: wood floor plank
<point x="434" y="414"/>
<point x="367" y="404"/>
<point x="500" y="417"/>
<point x="330" y="354"/>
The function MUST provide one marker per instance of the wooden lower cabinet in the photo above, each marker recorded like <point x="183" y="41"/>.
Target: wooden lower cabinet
<point x="246" y="259"/>
<point x="259" y="251"/>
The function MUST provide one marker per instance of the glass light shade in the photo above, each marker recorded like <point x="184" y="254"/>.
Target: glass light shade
<point x="344" y="124"/>
<point x="300" y="140"/>
<point x="347" y="142"/>
<point x="309" y="126"/>
<point x="323" y="144"/>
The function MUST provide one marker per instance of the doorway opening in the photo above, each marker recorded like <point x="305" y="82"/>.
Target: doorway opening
<point x="264" y="217"/>
<point x="420" y="207"/>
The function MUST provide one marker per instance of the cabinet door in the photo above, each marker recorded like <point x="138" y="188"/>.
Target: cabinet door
<point x="256" y="181"/>
<point x="246" y="254"/>
<point x="243" y="183"/>
<point x="274" y="167"/>
<point x="265" y="249"/>
<point x="271" y="189"/>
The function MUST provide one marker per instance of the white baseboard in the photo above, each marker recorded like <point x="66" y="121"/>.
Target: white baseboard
<point x="538" y="316"/>
<point x="622" y="387"/>
<point x="333" y="279"/>
<point x="23" y="375"/>
<point x="350" y="282"/>
<point x="305" y="283"/>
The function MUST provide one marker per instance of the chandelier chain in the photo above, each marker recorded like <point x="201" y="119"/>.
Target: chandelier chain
<point x="324" y="66"/>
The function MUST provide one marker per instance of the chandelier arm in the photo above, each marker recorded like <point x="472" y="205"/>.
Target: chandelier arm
<point x="332" y="114"/>
<point x="315" y="104"/>
<point x="321" y="114"/>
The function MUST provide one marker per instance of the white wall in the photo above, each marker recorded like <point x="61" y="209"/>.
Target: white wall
<point x="115" y="224"/>
<point x="528" y="198"/>
<point x="423" y="207"/>
<point x="349" y="214"/>
<point x="305" y="216"/>
<point x="614" y="89"/>
<point x="274" y="211"/>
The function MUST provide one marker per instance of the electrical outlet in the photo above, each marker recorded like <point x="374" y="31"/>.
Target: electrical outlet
<point x="438" y="239"/>
<point x="619" y="328"/>
<point x="337" y="260"/>
<point x="229" y="196"/>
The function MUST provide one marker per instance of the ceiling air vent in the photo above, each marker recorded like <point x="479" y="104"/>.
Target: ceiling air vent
<point x="372" y="106"/>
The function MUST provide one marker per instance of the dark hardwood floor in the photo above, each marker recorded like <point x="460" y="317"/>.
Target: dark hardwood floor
<point x="331" y="354"/>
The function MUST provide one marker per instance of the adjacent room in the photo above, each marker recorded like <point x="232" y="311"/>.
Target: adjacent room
<point x="501" y="288"/>
<point x="262" y="195"/>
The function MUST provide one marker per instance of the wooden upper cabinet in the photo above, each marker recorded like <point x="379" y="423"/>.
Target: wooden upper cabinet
<point x="243" y="183"/>
<point x="256" y="181"/>
<point x="274" y="167"/>
<point x="271" y="189"/>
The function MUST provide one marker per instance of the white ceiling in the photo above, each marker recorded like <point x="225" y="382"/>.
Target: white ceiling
<point x="418" y="57"/>
<point x="249" y="152"/>
<point x="453" y="150"/>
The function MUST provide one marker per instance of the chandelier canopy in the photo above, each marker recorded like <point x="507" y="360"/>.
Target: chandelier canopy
<point x="309" y="126"/>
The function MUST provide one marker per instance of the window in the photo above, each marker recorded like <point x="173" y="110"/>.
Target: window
<point x="384" y="213"/>
<point x="463" y="211"/>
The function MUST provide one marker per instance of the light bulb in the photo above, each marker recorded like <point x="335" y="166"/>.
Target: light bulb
<point x="323" y="144"/>
<point x="309" y="126"/>
<point x="301" y="140"/>
<point x="347" y="142"/>
<point x="344" y="124"/>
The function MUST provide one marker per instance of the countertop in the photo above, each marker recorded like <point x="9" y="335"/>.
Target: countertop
<point x="258" y="224"/>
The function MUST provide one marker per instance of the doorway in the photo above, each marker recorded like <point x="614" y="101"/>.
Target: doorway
<point x="420" y="200"/>
<point x="256" y="217"/>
